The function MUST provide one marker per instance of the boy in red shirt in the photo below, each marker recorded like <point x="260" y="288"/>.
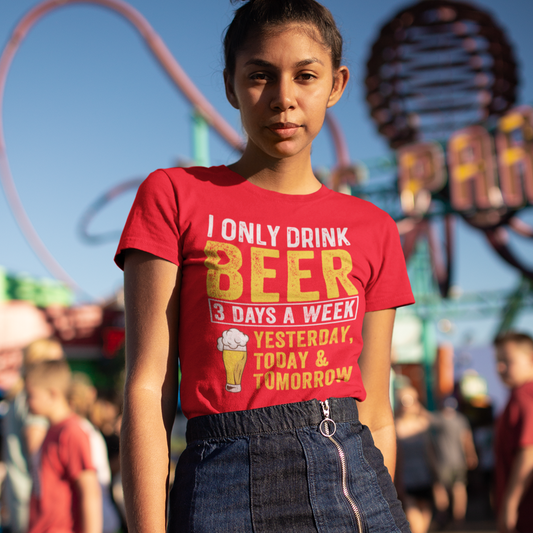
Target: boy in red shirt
<point x="514" y="435"/>
<point x="66" y="494"/>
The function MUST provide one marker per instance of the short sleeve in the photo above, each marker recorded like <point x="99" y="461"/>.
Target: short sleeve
<point x="152" y="222"/>
<point x="389" y="286"/>
<point x="76" y="446"/>
<point x="525" y="429"/>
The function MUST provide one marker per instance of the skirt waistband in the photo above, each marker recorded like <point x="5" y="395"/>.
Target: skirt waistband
<point x="272" y="419"/>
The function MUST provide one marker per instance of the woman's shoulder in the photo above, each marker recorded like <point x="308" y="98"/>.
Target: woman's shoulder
<point x="192" y="175"/>
<point x="361" y="208"/>
<point x="174" y="181"/>
<point x="354" y="201"/>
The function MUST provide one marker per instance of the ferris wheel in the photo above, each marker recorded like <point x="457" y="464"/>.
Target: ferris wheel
<point x="440" y="85"/>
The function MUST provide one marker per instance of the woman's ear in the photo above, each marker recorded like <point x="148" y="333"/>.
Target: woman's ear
<point x="230" y="91"/>
<point x="341" y="77"/>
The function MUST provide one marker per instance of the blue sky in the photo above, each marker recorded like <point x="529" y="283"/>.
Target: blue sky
<point x="86" y="107"/>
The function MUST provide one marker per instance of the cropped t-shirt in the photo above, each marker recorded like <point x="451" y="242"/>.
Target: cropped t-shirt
<point x="274" y="286"/>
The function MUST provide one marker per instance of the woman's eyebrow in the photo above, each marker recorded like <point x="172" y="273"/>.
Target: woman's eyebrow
<point x="258" y="62"/>
<point x="263" y="63"/>
<point x="306" y="62"/>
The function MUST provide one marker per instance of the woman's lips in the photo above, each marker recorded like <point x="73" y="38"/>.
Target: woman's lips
<point x="284" y="129"/>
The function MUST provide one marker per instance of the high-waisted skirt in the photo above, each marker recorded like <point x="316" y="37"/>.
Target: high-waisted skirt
<point x="303" y="467"/>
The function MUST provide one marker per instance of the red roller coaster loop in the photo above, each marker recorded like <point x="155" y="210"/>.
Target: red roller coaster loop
<point x="161" y="53"/>
<point x="176" y="74"/>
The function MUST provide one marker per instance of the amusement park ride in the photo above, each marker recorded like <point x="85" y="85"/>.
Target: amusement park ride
<point x="441" y="87"/>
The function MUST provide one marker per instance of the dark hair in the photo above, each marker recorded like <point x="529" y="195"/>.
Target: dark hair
<point x="514" y="336"/>
<point x="262" y="15"/>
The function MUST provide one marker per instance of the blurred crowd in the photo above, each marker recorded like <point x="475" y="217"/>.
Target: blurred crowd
<point x="29" y="409"/>
<point x="461" y="461"/>
<point x="437" y="457"/>
<point x="447" y="470"/>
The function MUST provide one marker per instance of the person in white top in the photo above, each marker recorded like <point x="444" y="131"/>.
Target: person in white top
<point x="82" y="398"/>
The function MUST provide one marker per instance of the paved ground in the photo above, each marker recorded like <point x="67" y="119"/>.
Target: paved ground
<point x="479" y="515"/>
<point x="479" y="526"/>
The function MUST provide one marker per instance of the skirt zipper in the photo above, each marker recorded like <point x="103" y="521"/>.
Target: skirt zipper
<point x="325" y="431"/>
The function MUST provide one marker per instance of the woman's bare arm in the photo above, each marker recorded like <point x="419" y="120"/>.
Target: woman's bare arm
<point x="375" y="412"/>
<point x="151" y="288"/>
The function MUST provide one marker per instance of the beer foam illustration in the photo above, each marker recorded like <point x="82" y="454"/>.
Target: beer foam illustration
<point x="232" y="339"/>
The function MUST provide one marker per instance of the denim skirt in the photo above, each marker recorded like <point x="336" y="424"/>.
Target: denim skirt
<point x="302" y="467"/>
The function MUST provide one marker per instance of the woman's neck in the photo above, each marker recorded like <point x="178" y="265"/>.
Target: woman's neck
<point x="292" y="175"/>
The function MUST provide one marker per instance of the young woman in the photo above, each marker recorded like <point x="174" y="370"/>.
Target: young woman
<point x="278" y="295"/>
<point x="416" y="459"/>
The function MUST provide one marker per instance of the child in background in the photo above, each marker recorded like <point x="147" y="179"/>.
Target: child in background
<point x="514" y="435"/>
<point x="82" y="399"/>
<point x="22" y="436"/>
<point x="66" y="494"/>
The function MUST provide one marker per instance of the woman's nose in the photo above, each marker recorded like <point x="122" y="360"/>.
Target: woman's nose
<point x="283" y="97"/>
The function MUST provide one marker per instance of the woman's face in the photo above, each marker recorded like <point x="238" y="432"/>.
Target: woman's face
<point x="283" y="83"/>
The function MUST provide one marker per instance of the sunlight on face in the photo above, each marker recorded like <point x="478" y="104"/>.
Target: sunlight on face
<point x="39" y="399"/>
<point x="514" y="363"/>
<point x="283" y="83"/>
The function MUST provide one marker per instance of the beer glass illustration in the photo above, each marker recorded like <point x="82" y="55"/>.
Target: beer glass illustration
<point x="232" y="344"/>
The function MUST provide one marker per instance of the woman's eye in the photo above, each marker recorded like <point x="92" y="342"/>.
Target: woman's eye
<point x="306" y="76"/>
<point x="259" y="76"/>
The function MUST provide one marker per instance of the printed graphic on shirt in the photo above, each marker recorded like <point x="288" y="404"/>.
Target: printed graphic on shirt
<point x="232" y="344"/>
<point x="292" y="333"/>
<point x="301" y="363"/>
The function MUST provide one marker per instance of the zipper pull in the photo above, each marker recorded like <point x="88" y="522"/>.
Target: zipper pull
<point x="324" y="425"/>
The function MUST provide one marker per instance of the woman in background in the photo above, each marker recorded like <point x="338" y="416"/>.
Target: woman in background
<point x="416" y="459"/>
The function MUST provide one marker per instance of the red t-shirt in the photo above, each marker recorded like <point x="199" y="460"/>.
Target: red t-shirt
<point x="274" y="286"/>
<point x="64" y="455"/>
<point x="514" y="430"/>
